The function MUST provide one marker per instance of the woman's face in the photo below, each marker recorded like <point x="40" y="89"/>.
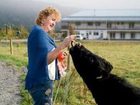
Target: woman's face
<point x="49" y="23"/>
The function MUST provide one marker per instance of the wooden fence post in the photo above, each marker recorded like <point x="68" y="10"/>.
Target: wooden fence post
<point x="11" y="46"/>
<point x="71" y="31"/>
<point x="10" y="35"/>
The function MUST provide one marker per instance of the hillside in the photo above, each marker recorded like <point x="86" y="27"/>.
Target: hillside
<point x="23" y="12"/>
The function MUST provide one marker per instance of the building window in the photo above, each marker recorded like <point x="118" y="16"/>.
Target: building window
<point x="122" y="23"/>
<point x="118" y="23"/>
<point x="97" y="24"/>
<point x="131" y="25"/>
<point x="109" y="25"/>
<point x="89" y="32"/>
<point x="78" y="23"/>
<point x="122" y="35"/>
<point x="96" y="33"/>
<point x="112" y="35"/>
<point x="133" y="35"/>
<point x="90" y="23"/>
<point x="77" y="33"/>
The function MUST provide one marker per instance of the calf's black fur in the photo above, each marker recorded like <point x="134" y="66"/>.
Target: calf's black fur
<point x="106" y="88"/>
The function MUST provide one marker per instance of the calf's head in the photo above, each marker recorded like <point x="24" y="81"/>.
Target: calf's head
<point x="88" y="63"/>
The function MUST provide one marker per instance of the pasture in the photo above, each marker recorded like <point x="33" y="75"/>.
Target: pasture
<point x="70" y="90"/>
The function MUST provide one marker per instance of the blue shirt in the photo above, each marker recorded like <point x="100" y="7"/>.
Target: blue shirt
<point x="39" y="45"/>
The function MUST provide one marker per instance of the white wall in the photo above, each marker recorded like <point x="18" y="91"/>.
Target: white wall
<point x="84" y="29"/>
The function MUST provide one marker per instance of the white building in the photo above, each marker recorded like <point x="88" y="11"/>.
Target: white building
<point x="105" y="24"/>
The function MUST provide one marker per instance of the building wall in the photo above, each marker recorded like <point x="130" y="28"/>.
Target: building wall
<point x="105" y="30"/>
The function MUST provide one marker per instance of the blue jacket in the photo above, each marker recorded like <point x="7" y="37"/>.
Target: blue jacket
<point x="39" y="44"/>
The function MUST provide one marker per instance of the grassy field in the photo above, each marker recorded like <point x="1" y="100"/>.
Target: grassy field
<point x="70" y="90"/>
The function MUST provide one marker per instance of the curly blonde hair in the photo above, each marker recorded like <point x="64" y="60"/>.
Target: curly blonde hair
<point x="47" y="12"/>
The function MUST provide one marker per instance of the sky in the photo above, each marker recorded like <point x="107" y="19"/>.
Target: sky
<point x="97" y="4"/>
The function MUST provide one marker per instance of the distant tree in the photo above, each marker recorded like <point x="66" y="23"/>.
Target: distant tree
<point x="10" y="33"/>
<point x="2" y="34"/>
<point x="14" y="32"/>
<point x="22" y="32"/>
<point x="71" y="28"/>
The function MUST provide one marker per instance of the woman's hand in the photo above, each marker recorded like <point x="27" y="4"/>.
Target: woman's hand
<point x="66" y="42"/>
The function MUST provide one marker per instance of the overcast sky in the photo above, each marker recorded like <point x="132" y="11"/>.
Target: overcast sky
<point x="98" y="4"/>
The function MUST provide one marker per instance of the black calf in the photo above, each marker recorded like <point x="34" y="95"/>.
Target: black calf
<point x="106" y="88"/>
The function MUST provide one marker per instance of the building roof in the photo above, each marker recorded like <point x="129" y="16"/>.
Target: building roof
<point x="105" y="15"/>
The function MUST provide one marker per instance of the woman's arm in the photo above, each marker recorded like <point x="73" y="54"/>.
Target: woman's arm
<point x="53" y="54"/>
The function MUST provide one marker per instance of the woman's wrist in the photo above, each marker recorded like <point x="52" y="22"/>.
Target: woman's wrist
<point x="62" y="46"/>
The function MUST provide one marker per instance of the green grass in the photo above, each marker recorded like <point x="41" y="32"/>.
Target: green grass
<point x="124" y="56"/>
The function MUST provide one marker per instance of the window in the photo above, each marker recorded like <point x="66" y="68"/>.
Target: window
<point x="112" y="35"/>
<point x="109" y="25"/>
<point x="78" y="23"/>
<point x="131" y="25"/>
<point x="96" y="33"/>
<point x="90" y="23"/>
<point x="122" y="35"/>
<point x="118" y="23"/>
<point x="133" y="35"/>
<point x="89" y="32"/>
<point x="97" y="24"/>
<point x="122" y="23"/>
<point x="77" y="33"/>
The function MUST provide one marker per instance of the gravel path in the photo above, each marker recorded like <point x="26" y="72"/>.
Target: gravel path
<point x="9" y="85"/>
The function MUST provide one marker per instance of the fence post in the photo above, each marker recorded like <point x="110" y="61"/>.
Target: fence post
<point x="11" y="46"/>
<point x="71" y="31"/>
<point x="10" y="35"/>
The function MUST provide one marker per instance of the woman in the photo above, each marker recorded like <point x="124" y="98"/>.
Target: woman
<point x="42" y="57"/>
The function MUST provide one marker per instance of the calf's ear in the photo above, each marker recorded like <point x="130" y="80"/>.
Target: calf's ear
<point x="74" y="43"/>
<point x="106" y="72"/>
<point x="108" y="68"/>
